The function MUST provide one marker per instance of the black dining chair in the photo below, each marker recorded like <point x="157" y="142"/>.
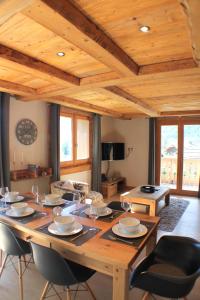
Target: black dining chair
<point x="59" y="271"/>
<point x="69" y="196"/>
<point x="13" y="246"/>
<point x="171" y="269"/>
<point x="116" y="205"/>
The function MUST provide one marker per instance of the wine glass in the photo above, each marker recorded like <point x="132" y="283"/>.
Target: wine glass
<point x="4" y="191"/>
<point x="35" y="191"/>
<point x="41" y="202"/>
<point x="57" y="211"/>
<point x="125" y="205"/>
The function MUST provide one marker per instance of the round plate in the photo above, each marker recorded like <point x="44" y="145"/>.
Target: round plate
<point x="56" y="203"/>
<point x="107" y="212"/>
<point x="29" y="211"/>
<point x="18" y="198"/>
<point x="77" y="228"/>
<point x="142" y="231"/>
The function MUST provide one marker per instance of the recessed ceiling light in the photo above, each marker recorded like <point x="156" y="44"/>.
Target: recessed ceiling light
<point x="60" y="53"/>
<point x="144" y="28"/>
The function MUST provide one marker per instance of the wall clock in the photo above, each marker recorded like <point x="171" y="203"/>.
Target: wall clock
<point x="26" y="131"/>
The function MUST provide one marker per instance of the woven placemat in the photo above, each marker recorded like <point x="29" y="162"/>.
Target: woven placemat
<point x="135" y="242"/>
<point x="108" y="219"/>
<point x="77" y="239"/>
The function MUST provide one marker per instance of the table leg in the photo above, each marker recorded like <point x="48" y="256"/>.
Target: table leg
<point x="167" y="199"/>
<point x="120" y="284"/>
<point x="152" y="209"/>
<point x="151" y="243"/>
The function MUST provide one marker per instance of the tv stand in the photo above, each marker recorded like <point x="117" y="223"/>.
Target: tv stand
<point x="113" y="186"/>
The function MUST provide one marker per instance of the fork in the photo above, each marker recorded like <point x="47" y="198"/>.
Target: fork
<point x="114" y="238"/>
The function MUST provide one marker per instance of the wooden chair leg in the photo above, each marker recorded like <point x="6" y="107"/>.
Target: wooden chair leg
<point x="45" y="290"/>
<point x="146" y="296"/>
<point x="3" y="264"/>
<point x="20" y="279"/>
<point x="68" y="294"/>
<point x="89" y="290"/>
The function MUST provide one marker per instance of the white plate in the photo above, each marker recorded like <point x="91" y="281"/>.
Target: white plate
<point x="77" y="228"/>
<point x="28" y="211"/>
<point x="142" y="231"/>
<point x="18" y="198"/>
<point x="55" y="203"/>
<point x="107" y="212"/>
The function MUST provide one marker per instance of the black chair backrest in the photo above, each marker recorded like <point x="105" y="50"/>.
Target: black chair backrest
<point x="183" y="252"/>
<point x="69" y="196"/>
<point x="10" y="244"/>
<point x="52" y="265"/>
<point x="115" y="205"/>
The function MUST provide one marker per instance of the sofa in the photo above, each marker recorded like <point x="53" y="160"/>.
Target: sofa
<point x="61" y="187"/>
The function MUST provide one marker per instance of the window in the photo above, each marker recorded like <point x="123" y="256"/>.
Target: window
<point x="75" y="140"/>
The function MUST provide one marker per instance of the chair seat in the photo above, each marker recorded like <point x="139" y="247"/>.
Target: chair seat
<point x="80" y="272"/>
<point x="166" y="269"/>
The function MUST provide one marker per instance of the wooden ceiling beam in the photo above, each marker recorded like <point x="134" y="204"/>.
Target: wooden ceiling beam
<point x="140" y="105"/>
<point x="78" y="104"/>
<point x="168" y="66"/>
<point x="192" y="11"/>
<point x="77" y="28"/>
<point x="39" y="67"/>
<point x="11" y="7"/>
<point x="16" y="88"/>
<point x="180" y="113"/>
<point x="112" y="78"/>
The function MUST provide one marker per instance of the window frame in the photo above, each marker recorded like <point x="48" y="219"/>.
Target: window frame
<point x="77" y="165"/>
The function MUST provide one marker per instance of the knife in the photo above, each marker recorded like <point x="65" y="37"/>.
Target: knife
<point x="82" y="233"/>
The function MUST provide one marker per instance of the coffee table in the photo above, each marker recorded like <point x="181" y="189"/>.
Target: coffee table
<point x="149" y="199"/>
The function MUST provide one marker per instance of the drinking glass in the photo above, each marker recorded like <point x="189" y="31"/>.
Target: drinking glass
<point x="41" y="202"/>
<point x="125" y="205"/>
<point x="4" y="193"/>
<point x="93" y="214"/>
<point x="35" y="191"/>
<point x="57" y="211"/>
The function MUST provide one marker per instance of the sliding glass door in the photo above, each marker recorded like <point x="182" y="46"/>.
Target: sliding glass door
<point x="178" y="154"/>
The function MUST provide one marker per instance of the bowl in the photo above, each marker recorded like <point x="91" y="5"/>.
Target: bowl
<point x="64" y="223"/>
<point x="98" y="207"/>
<point x="129" y="225"/>
<point x="52" y="198"/>
<point x="19" y="208"/>
<point x="12" y="196"/>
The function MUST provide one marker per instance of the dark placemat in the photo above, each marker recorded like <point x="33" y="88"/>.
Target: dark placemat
<point x="27" y="219"/>
<point x="88" y="233"/>
<point x="81" y="213"/>
<point x="64" y="205"/>
<point x="135" y="242"/>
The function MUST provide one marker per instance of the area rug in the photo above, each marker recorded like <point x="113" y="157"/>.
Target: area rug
<point x="170" y="215"/>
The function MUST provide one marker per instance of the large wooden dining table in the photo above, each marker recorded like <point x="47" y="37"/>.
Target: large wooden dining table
<point x="108" y="257"/>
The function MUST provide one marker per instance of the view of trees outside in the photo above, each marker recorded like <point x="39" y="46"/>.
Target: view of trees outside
<point x="65" y="139"/>
<point x="191" y="156"/>
<point x="169" y="151"/>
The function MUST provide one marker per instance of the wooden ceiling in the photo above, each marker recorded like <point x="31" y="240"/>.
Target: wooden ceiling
<point x="110" y="66"/>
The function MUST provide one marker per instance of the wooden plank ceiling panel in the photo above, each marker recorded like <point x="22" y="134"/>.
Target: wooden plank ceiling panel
<point x="25" y="35"/>
<point x="103" y="98"/>
<point x="167" y="40"/>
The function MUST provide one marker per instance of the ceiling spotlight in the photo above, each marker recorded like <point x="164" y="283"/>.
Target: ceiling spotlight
<point x="144" y="28"/>
<point x="60" y="54"/>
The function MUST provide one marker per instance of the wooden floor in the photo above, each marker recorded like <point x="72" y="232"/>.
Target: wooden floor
<point x="101" y="284"/>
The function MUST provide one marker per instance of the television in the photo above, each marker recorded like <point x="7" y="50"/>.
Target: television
<point x="113" y="151"/>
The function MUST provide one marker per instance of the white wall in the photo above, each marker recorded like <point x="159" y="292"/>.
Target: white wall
<point x="38" y="152"/>
<point x="134" y="133"/>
